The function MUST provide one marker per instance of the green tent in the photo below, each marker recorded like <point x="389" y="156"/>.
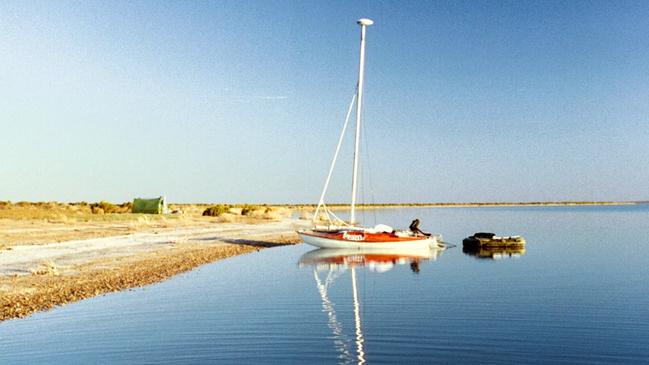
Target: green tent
<point x="150" y="206"/>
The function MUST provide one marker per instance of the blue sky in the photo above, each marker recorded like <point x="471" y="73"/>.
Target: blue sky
<point x="235" y="101"/>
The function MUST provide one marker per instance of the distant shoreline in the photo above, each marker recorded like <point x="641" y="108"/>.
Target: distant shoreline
<point x="46" y="204"/>
<point x="486" y="204"/>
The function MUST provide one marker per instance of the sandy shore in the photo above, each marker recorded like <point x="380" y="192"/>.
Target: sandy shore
<point x="37" y="275"/>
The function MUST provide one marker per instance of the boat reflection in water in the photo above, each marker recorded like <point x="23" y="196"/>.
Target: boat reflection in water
<point x="494" y="253"/>
<point x="378" y="260"/>
<point x="335" y="262"/>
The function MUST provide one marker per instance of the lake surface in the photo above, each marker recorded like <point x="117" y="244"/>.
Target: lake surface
<point x="579" y="293"/>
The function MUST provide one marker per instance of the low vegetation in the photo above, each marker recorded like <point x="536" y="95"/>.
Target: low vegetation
<point x="56" y="211"/>
<point x="216" y="210"/>
<point x="104" y="207"/>
<point x="247" y="209"/>
<point x="104" y="211"/>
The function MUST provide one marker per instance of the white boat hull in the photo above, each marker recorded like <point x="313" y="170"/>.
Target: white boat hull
<point x="431" y="242"/>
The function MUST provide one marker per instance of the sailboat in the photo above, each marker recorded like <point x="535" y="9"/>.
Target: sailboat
<point x="337" y="233"/>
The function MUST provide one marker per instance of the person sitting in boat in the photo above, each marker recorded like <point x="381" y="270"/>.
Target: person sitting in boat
<point x="414" y="228"/>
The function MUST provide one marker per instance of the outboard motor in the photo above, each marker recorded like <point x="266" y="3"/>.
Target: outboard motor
<point x="414" y="227"/>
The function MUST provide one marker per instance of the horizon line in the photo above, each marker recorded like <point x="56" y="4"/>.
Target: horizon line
<point x="537" y="202"/>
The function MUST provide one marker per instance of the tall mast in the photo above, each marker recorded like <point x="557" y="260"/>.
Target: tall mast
<point x="364" y="23"/>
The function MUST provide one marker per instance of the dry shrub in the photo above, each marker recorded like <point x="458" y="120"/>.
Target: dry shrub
<point x="248" y="209"/>
<point x="216" y="210"/>
<point x="103" y="207"/>
<point x="271" y="215"/>
<point x="106" y="207"/>
<point x="96" y="210"/>
<point x="48" y="205"/>
<point x="125" y="207"/>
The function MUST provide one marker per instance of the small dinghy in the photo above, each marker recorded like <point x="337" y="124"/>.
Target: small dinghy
<point x="487" y="240"/>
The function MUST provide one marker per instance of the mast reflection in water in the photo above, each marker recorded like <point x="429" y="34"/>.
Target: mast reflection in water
<point x="336" y="262"/>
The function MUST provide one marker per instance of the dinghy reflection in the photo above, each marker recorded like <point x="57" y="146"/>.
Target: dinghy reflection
<point x="336" y="262"/>
<point x="494" y="253"/>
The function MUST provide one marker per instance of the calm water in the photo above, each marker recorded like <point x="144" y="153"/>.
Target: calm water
<point x="578" y="294"/>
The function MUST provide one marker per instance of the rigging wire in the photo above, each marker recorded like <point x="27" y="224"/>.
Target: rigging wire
<point x="321" y="203"/>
